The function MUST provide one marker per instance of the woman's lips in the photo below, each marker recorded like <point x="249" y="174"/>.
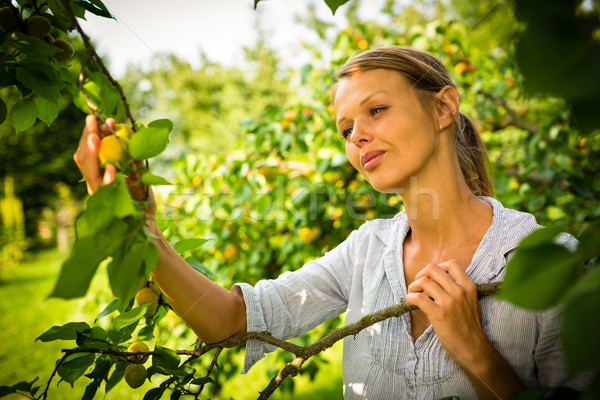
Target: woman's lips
<point x="371" y="159"/>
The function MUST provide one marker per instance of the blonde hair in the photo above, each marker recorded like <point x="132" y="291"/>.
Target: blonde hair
<point x="428" y="76"/>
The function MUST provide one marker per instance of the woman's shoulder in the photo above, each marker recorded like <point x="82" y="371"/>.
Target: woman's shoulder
<point x="515" y="225"/>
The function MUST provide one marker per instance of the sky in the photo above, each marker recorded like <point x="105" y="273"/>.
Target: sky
<point x="220" y="28"/>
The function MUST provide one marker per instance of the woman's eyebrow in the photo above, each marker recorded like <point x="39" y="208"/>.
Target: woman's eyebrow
<point x="363" y="101"/>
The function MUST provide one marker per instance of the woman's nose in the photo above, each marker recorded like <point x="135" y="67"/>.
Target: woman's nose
<point x="360" y="133"/>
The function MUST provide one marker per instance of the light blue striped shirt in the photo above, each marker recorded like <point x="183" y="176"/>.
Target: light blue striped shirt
<point x="365" y="274"/>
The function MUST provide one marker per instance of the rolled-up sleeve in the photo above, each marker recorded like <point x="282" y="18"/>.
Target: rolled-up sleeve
<point x="297" y="301"/>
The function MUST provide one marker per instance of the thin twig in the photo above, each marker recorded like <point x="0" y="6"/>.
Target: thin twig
<point x="512" y="118"/>
<point x="105" y="71"/>
<point x="58" y="364"/>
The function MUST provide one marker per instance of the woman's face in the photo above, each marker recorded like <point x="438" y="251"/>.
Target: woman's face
<point x="389" y="136"/>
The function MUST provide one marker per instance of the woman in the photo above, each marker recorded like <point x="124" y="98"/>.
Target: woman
<point x="398" y="112"/>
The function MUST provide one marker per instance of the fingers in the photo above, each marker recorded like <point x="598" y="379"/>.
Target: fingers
<point x="109" y="174"/>
<point x="86" y="156"/>
<point x="440" y="284"/>
<point x="109" y="124"/>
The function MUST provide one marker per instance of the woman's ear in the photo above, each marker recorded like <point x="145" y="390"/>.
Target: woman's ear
<point x="447" y="108"/>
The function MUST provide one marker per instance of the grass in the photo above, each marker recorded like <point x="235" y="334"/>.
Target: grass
<point x="27" y="312"/>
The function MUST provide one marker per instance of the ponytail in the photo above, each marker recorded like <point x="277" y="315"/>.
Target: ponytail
<point x="472" y="157"/>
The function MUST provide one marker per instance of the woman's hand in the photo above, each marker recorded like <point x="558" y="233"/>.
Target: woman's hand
<point x="446" y="294"/>
<point x="86" y="156"/>
<point x="448" y="297"/>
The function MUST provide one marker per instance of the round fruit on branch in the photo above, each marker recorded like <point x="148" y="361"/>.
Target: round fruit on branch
<point x="67" y="50"/>
<point x="135" y="375"/>
<point x="138" y="346"/>
<point x="38" y="26"/>
<point x="8" y="19"/>
<point x="112" y="151"/>
<point x="123" y="131"/>
<point x="147" y="296"/>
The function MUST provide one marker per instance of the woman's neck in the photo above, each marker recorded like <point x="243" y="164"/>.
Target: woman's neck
<point x="445" y="215"/>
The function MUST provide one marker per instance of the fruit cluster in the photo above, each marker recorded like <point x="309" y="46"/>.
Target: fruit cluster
<point x="36" y="26"/>
<point x="135" y="373"/>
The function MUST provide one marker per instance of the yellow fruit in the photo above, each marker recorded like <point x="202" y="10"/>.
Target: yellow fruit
<point x="522" y="110"/>
<point x="138" y="346"/>
<point x="460" y="68"/>
<point x="123" y="131"/>
<point x="510" y="82"/>
<point x="66" y="53"/>
<point x="308" y="235"/>
<point x="8" y="19"/>
<point x="111" y="151"/>
<point x="135" y="375"/>
<point x="147" y="296"/>
<point x="514" y="184"/>
<point x="363" y="44"/>
<point x="230" y="251"/>
<point x="290" y="114"/>
<point x="38" y="26"/>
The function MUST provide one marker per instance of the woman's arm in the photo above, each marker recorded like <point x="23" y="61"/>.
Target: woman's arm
<point x="448" y="297"/>
<point x="212" y="312"/>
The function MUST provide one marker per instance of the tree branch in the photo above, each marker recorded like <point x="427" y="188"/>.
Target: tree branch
<point x="512" y="118"/>
<point x="302" y="353"/>
<point x="90" y="48"/>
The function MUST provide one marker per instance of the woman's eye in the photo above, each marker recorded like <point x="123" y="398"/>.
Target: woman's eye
<point x="346" y="132"/>
<point x="376" y="110"/>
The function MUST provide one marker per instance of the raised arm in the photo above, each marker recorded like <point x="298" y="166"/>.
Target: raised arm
<point x="211" y="311"/>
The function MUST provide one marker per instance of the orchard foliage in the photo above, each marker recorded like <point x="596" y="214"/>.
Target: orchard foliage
<point x="287" y="193"/>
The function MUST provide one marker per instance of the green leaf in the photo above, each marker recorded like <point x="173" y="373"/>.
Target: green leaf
<point x="101" y="370"/>
<point x="90" y="390"/>
<point x="129" y="317"/>
<point x="107" y="203"/>
<point x="47" y="110"/>
<point x="148" y="142"/>
<point x="33" y="47"/>
<point x="63" y="332"/>
<point x="101" y="11"/>
<point x="23" y="114"/>
<point x="94" y="338"/>
<point x="202" y="381"/>
<point x="146" y="333"/>
<point x="100" y="92"/>
<point x="3" y="111"/>
<point x="116" y="376"/>
<point x="22" y="386"/>
<point x="150" y="258"/>
<point x="114" y="305"/>
<point x="164" y="357"/>
<point x="154" y="393"/>
<point x="540" y="272"/>
<point x="581" y="328"/>
<point x="189" y="244"/>
<point x="198" y="266"/>
<point x="78" y="270"/>
<point x="125" y="273"/>
<point x="41" y="78"/>
<point x="334" y="4"/>
<point x="162" y="124"/>
<point x="75" y="366"/>
<point x="151" y="179"/>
